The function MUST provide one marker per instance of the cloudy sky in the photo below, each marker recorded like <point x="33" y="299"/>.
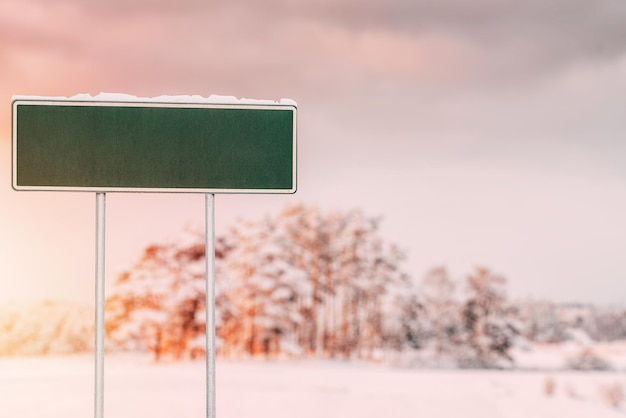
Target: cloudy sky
<point x="490" y="132"/>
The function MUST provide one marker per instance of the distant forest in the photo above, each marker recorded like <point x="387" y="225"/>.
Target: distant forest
<point x="306" y="283"/>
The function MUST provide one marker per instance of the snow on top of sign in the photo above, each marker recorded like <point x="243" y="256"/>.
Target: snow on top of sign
<point x="121" y="97"/>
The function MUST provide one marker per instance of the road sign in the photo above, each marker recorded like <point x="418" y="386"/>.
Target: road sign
<point x="132" y="146"/>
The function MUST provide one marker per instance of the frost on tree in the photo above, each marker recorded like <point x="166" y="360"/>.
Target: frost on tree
<point x="313" y="283"/>
<point x="156" y="305"/>
<point x="442" y="314"/>
<point x="489" y="333"/>
<point x="45" y="328"/>
<point x="302" y="282"/>
<point x="471" y="326"/>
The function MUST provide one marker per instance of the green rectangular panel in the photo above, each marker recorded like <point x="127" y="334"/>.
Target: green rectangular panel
<point x="132" y="146"/>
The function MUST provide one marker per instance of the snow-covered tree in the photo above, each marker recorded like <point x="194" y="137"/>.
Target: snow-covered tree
<point x="489" y="332"/>
<point x="263" y="291"/>
<point x="608" y="324"/>
<point x="156" y="304"/>
<point x="355" y="281"/>
<point x="45" y="328"/>
<point x="443" y="324"/>
<point x="541" y="322"/>
<point x="300" y="282"/>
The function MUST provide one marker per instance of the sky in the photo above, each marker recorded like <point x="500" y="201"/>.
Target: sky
<point x="485" y="133"/>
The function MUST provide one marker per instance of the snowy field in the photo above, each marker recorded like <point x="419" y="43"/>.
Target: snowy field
<point x="54" y="387"/>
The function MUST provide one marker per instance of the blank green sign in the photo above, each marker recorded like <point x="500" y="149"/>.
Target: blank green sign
<point x="101" y="146"/>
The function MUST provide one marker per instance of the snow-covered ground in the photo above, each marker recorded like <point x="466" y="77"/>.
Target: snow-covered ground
<point x="53" y="387"/>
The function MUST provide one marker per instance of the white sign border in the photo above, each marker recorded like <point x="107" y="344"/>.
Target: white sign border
<point x="265" y="105"/>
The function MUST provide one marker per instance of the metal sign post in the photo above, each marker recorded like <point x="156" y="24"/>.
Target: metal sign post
<point x="210" y="304"/>
<point x="99" y="349"/>
<point x="150" y="146"/>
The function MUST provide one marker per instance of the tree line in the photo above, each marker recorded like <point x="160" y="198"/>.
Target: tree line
<point x="300" y="283"/>
<point x="310" y="283"/>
